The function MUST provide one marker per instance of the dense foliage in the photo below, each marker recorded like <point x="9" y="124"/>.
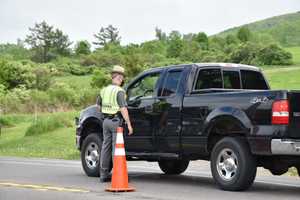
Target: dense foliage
<point x="27" y="75"/>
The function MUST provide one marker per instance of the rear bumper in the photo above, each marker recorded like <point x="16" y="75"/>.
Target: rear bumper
<point x="285" y="147"/>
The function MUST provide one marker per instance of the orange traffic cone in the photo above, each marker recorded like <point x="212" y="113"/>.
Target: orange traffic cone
<point x="119" y="181"/>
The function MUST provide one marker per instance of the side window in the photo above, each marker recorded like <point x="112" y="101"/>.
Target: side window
<point x="209" y="78"/>
<point x="171" y="83"/>
<point x="253" y="80"/>
<point x="144" y="87"/>
<point x="231" y="79"/>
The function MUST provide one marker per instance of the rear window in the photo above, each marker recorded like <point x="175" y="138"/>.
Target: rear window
<point x="209" y="78"/>
<point x="253" y="80"/>
<point x="171" y="83"/>
<point x="231" y="80"/>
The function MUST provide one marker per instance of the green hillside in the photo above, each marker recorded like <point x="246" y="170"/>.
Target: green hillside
<point x="295" y="51"/>
<point x="284" y="28"/>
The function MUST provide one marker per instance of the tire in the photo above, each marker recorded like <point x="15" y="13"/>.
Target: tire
<point x="91" y="146"/>
<point x="173" y="167"/>
<point x="233" y="167"/>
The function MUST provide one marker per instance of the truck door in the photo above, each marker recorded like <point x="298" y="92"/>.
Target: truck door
<point x="168" y="111"/>
<point x="141" y="96"/>
<point x="197" y="105"/>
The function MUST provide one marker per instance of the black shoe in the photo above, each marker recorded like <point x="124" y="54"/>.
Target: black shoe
<point x="104" y="180"/>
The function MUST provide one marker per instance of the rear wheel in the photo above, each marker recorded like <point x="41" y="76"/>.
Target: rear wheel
<point x="90" y="154"/>
<point x="232" y="164"/>
<point x="173" y="167"/>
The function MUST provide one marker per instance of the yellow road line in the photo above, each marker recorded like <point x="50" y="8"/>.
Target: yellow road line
<point x="43" y="187"/>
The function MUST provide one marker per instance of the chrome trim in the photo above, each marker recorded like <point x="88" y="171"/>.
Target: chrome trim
<point x="285" y="147"/>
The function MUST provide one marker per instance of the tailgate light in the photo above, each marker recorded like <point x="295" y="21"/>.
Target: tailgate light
<point x="280" y="112"/>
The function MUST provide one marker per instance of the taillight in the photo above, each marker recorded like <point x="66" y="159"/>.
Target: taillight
<point x="280" y="112"/>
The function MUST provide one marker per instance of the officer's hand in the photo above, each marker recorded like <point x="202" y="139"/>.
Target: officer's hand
<point x="130" y="129"/>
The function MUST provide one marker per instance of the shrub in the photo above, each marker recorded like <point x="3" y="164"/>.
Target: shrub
<point x="5" y="121"/>
<point x="245" y="53"/>
<point x="15" y="99"/>
<point x="46" y="124"/>
<point x="40" y="102"/>
<point x="14" y="74"/>
<point x="88" y="96"/>
<point x="75" y="69"/>
<point x="103" y="58"/>
<point x="11" y="120"/>
<point x="79" y="70"/>
<point x="210" y="56"/>
<point x="43" y="78"/>
<point x="100" y="78"/>
<point x="2" y="90"/>
<point x="274" y="55"/>
<point x="14" y="51"/>
<point x="63" y="94"/>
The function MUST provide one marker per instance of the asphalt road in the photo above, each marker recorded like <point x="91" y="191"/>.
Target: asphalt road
<point x="58" y="179"/>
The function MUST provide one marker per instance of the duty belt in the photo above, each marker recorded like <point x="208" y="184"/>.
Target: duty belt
<point x="110" y="116"/>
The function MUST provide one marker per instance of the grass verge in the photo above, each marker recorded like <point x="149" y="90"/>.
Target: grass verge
<point x="58" y="142"/>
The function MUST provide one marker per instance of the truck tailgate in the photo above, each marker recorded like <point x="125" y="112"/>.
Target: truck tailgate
<point x="294" y="99"/>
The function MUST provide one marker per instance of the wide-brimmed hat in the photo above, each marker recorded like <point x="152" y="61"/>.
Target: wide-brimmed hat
<point x="118" y="69"/>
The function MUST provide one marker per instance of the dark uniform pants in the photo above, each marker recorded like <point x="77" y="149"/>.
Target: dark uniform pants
<point x="108" y="145"/>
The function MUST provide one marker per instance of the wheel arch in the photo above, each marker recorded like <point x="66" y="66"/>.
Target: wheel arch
<point x="225" y="121"/>
<point x="91" y="125"/>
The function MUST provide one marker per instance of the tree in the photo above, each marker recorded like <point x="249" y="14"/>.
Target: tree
<point x="231" y="39"/>
<point x="160" y="35"/>
<point x="202" y="39"/>
<point x="216" y="43"/>
<point x="61" y="43"/>
<point x="107" y="35"/>
<point x="175" y="44"/>
<point x="153" y="47"/>
<point x="245" y="53"/>
<point x="40" y="39"/>
<point x="46" y="42"/>
<point x="244" y="34"/>
<point x="191" y="51"/>
<point x="82" y="47"/>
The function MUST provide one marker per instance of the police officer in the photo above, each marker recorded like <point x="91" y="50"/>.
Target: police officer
<point x="114" y="110"/>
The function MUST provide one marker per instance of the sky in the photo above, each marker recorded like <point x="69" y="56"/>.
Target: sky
<point x="135" y="19"/>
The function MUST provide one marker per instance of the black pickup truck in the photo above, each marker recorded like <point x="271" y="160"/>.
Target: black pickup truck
<point x="221" y="112"/>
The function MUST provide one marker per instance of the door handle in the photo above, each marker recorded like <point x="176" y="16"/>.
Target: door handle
<point x="149" y="109"/>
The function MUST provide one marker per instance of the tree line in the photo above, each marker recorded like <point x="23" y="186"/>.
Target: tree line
<point x="28" y="68"/>
<point x="46" y="43"/>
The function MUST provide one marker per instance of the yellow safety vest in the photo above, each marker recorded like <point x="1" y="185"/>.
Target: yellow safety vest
<point x="109" y="99"/>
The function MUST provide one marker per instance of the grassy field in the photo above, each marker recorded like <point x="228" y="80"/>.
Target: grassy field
<point x="57" y="142"/>
<point x="283" y="77"/>
<point x="295" y="51"/>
